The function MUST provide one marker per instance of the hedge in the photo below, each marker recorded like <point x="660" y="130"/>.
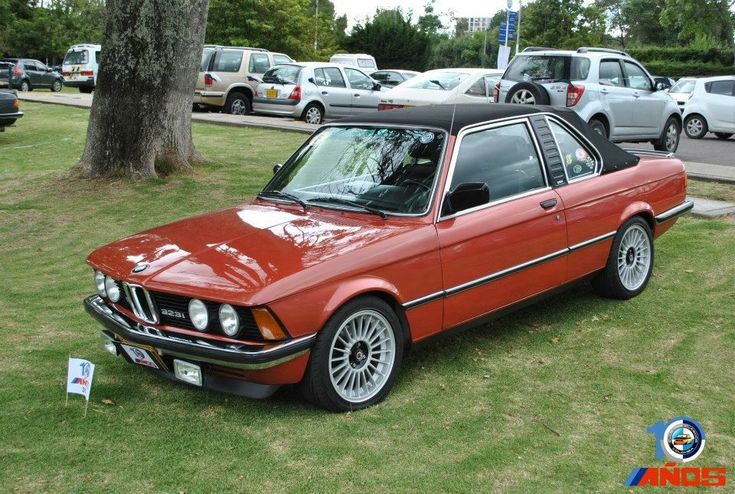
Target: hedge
<point x="684" y="69"/>
<point x="716" y="56"/>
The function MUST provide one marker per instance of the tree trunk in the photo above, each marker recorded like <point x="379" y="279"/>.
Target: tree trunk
<point x="140" y="122"/>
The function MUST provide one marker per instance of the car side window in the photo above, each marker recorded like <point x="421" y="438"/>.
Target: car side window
<point x="329" y="77"/>
<point x="259" y="63"/>
<point x="357" y="79"/>
<point x="477" y="89"/>
<point x="637" y="78"/>
<point x="611" y="73"/>
<point x="578" y="161"/>
<point x="504" y="158"/>
<point x="29" y="66"/>
<point x="40" y="66"/>
<point x="726" y="88"/>
<point x="281" y="59"/>
<point x="227" y="61"/>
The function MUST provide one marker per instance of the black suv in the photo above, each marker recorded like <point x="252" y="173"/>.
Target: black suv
<point x="27" y="74"/>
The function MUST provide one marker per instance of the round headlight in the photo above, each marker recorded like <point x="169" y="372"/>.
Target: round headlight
<point x="113" y="291"/>
<point x="229" y="320"/>
<point x="198" y="314"/>
<point x="99" y="283"/>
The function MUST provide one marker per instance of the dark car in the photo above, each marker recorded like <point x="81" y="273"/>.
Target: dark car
<point x="9" y="109"/>
<point x="392" y="78"/>
<point x="27" y="74"/>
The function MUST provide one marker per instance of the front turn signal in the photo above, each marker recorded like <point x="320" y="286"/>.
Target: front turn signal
<point x="267" y="324"/>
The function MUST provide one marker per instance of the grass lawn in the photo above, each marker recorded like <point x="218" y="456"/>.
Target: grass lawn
<point x="555" y="398"/>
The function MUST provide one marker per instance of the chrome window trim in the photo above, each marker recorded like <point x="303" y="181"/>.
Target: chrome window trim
<point x="482" y="280"/>
<point x="439" y="165"/>
<point x="583" y="140"/>
<point x="455" y="153"/>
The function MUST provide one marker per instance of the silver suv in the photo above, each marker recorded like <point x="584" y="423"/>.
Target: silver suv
<point x="607" y="88"/>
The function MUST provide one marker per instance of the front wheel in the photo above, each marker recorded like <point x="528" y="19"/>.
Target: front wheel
<point x="599" y="127"/>
<point x="695" y="126"/>
<point x="313" y="114"/>
<point x="356" y="357"/>
<point x="56" y="86"/>
<point x="723" y="135"/>
<point x="630" y="263"/>
<point x="669" y="140"/>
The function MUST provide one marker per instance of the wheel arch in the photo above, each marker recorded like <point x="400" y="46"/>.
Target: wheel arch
<point x="642" y="209"/>
<point x="602" y="117"/>
<point x="240" y="88"/>
<point x="317" y="103"/>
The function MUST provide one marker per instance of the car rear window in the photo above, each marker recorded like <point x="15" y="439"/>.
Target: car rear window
<point x="725" y="88"/>
<point x="206" y="57"/>
<point x="283" y="74"/>
<point x="227" y="61"/>
<point x="548" y="68"/>
<point x="440" y="81"/>
<point x="683" y="86"/>
<point x="366" y="63"/>
<point x="76" y="57"/>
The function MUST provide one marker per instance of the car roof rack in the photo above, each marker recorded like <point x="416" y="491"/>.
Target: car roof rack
<point x="539" y="48"/>
<point x="586" y="49"/>
<point x="239" y="48"/>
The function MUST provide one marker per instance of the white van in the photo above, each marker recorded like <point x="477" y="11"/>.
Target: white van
<point x="361" y="61"/>
<point x="80" y="67"/>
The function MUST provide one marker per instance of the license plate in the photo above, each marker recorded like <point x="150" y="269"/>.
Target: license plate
<point x="271" y="93"/>
<point x="140" y="356"/>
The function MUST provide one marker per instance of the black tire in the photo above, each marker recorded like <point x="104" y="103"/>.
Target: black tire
<point x="86" y="90"/>
<point x="25" y="86"/>
<point x="527" y="93"/>
<point x="610" y="282"/>
<point x="318" y="385"/>
<point x="313" y="114"/>
<point x="723" y="135"/>
<point x="238" y="103"/>
<point x="695" y="126"/>
<point x="56" y="86"/>
<point x="670" y="135"/>
<point x="599" y="127"/>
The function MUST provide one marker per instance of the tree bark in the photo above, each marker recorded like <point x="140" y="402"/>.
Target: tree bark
<point x="140" y="122"/>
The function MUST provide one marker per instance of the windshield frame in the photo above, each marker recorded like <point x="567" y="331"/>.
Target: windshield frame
<point x="434" y="185"/>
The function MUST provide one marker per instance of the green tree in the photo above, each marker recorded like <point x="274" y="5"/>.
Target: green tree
<point x="693" y="19"/>
<point x="466" y="51"/>
<point x="561" y="24"/>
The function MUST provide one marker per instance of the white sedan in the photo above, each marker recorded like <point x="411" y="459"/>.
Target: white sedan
<point x="442" y="86"/>
<point x="711" y="108"/>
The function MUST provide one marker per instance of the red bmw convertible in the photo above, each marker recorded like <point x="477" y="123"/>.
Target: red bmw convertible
<point x="380" y="231"/>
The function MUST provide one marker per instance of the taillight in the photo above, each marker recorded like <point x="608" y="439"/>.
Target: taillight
<point x="66" y="74"/>
<point x="295" y="94"/>
<point x="87" y="73"/>
<point x="574" y="94"/>
<point x="496" y="96"/>
<point x="16" y="72"/>
<point x="208" y="80"/>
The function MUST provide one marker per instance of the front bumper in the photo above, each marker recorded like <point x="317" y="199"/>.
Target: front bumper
<point x="276" y="363"/>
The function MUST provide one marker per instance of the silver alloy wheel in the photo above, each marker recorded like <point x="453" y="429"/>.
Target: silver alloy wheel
<point x="523" y="97"/>
<point x="313" y="115"/>
<point x="695" y="126"/>
<point x="671" y="136"/>
<point x="239" y="107"/>
<point x="362" y="356"/>
<point x="24" y="86"/>
<point x="634" y="258"/>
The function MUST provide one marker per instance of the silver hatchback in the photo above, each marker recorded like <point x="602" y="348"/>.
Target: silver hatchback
<point x="314" y="91"/>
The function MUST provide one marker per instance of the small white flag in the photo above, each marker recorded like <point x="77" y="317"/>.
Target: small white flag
<point x="79" y="377"/>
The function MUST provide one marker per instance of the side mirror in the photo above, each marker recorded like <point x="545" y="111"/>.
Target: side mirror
<point x="311" y="80"/>
<point x="277" y="167"/>
<point x="376" y="86"/>
<point x="49" y="69"/>
<point x="465" y="196"/>
<point x="661" y="83"/>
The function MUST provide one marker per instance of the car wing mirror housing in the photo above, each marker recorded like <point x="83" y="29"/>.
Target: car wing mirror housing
<point x="465" y="196"/>
<point x="276" y="168"/>
<point x="376" y="86"/>
<point x="661" y="83"/>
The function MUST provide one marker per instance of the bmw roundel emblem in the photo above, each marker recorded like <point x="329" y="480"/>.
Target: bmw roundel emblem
<point x="140" y="267"/>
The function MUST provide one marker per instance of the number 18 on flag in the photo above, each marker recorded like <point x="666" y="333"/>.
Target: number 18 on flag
<point x="79" y="378"/>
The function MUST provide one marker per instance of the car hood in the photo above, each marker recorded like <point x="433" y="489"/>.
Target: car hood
<point x="412" y="96"/>
<point x="250" y="255"/>
<point x="680" y="97"/>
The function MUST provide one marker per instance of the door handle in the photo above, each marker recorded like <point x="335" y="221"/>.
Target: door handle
<point x="603" y="91"/>
<point x="548" y="203"/>
<point x="325" y="92"/>
<point x="356" y="95"/>
<point x="636" y="95"/>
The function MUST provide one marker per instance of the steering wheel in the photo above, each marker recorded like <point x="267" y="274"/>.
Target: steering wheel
<point x="417" y="183"/>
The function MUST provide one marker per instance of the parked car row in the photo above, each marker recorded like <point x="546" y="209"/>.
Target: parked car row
<point x="707" y="105"/>
<point x="27" y="74"/>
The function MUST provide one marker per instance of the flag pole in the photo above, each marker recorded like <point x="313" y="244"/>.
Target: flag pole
<point x="66" y="384"/>
<point x="85" y="408"/>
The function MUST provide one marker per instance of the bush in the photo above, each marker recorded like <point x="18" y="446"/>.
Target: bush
<point x="717" y="56"/>
<point x="683" y="69"/>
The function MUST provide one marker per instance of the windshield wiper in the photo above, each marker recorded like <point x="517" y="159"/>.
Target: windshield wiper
<point x="434" y="81"/>
<point x="284" y="195"/>
<point x="347" y="202"/>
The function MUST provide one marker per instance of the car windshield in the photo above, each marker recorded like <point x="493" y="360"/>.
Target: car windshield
<point x="548" y="68"/>
<point x="76" y="57"/>
<point x="441" y="81"/>
<point x="283" y="74"/>
<point x="683" y="86"/>
<point x="391" y="170"/>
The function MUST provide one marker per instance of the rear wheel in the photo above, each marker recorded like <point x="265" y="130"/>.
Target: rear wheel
<point x="356" y="357"/>
<point x="25" y="86"/>
<point x="723" y="135"/>
<point x="238" y="104"/>
<point x="669" y="140"/>
<point x="56" y="86"/>
<point x="527" y="93"/>
<point x="599" y="127"/>
<point x="313" y="114"/>
<point x="630" y="263"/>
<point x="695" y="126"/>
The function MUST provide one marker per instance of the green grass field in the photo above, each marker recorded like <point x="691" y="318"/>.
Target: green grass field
<point x="554" y="398"/>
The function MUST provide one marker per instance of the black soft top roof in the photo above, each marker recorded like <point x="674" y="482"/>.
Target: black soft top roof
<point x="453" y="118"/>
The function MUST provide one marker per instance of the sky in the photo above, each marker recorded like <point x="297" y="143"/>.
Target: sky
<point x="358" y="10"/>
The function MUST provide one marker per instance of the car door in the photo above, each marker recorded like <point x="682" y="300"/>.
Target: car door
<point x="29" y="67"/>
<point x="476" y="93"/>
<point x="512" y="246"/>
<point x="616" y="99"/>
<point x="365" y="97"/>
<point x="648" y="104"/>
<point x="335" y="94"/>
<point x="45" y="76"/>
<point x="720" y="104"/>
<point x="258" y="64"/>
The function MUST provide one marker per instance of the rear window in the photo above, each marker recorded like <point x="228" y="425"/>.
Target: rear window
<point x="227" y="61"/>
<point x="281" y="59"/>
<point x="725" y="88"/>
<point x="683" y="86"/>
<point x="440" y="81"/>
<point x="548" y="68"/>
<point x="282" y="74"/>
<point x="206" y="57"/>
<point x="76" y="57"/>
<point x="366" y="63"/>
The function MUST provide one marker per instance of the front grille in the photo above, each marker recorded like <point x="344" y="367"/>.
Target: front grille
<point x="174" y="311"/>
<point x="123" y="302"/>
<point x="139" y="300"/>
